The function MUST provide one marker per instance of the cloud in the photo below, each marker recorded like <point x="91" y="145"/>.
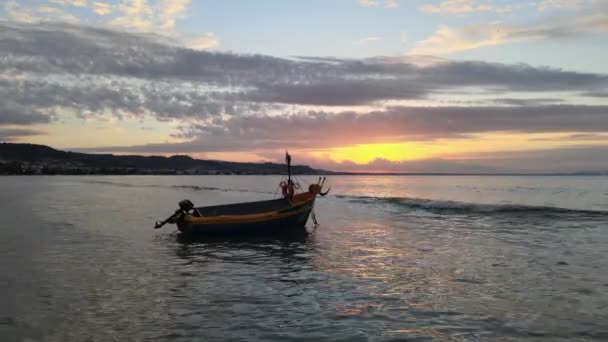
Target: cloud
<point x="142" y="16"/>
<point x="12" y="134"/>
<point x="170" y="11"/>
<point x="24" y="14"/>
<point x="119" y="63"/>
<point x="448" y="40"/>
<point x="19" y="114"/>
<point x="79" y="50"/>
<point x="566" y="159"/>
<point x="465" y="6"/>
<point x="472" y="6"/>
<point x="231" y="102"/>
<point x="560" y="4"/>
<point x="379" y="3"/>
<point x="369" y="3"/>
<point x="338" y="93"/>
<point x="131" y="15"/>
<point x="102" y="8"/>
<point x="599" y="94"/>
<point x="576" y="137"/>
<point x="527" y="102"/>
<point x="134" y="14"/>
<point x="518" y="77"/>
<point x="99" y="97"/>
<point x="326" y="130"/>
<point x="75" y="3"/>
<point x="203" y="42"/>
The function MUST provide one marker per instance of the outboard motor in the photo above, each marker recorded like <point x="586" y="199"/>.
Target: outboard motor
<point x="184" y="207"/>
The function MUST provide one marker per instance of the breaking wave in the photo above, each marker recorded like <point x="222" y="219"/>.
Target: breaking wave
<point x="463" y="208"/>
<point x="439" y="207"/>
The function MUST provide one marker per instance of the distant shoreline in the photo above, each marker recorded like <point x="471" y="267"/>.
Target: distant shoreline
<point x="31" y="159"/>
<point x="327" y="174"/>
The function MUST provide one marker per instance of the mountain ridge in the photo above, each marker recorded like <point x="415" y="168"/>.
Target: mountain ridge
<point x="41" y="159"/>
<point x="32" y="159"/>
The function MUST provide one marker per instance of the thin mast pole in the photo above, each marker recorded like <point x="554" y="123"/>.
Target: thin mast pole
<point x="288" y="161"/>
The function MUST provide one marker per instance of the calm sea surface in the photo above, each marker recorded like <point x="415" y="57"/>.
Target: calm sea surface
<point x="401" y="258"/>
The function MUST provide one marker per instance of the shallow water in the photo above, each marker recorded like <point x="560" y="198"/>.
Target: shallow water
<point x="395" y="258"/>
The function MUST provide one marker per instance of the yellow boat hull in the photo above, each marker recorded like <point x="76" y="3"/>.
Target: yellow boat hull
<point x="279" y="215"/>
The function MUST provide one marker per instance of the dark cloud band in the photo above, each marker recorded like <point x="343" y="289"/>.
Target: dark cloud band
<point x="320" y="129"/>
<point x="56" y="50"/>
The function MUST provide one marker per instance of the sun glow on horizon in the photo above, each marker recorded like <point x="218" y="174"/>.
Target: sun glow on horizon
<point x="366" y="153"/>
<point x="448" y="148"/>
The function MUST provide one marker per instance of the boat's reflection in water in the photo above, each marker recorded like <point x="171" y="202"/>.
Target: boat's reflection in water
<point x="302" y="235"/>
<point x="294" y="248"/>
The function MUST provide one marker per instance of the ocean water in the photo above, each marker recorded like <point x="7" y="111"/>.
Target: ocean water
<point x="398" y="258"/>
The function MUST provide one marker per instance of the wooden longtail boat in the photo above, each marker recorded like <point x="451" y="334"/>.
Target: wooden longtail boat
<point x="285" y="214"/>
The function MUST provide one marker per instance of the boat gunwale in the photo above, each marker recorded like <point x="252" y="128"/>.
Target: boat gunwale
<point x="294" y="209"/>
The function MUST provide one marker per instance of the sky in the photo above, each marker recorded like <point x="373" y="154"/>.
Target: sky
<point x="346" y="85"/>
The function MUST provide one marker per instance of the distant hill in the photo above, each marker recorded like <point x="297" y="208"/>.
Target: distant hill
<point x="41" y="159"/>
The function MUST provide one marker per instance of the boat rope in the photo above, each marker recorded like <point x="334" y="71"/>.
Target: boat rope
<point x="314" y="217"/>
<point x="277" y="190"/>
<point x="279" y="186"/>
